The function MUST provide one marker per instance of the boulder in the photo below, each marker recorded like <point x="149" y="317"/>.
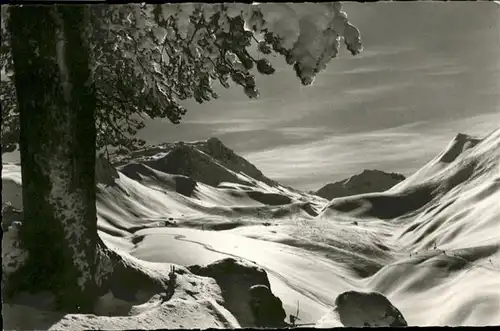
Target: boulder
<point x="236" y="278"/>
<point x="360" y="309"/>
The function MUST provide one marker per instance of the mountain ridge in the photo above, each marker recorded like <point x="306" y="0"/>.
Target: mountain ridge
<point x="367" y="181"/>
<point x="193" y="158"/>
<point x="207" y="161"/>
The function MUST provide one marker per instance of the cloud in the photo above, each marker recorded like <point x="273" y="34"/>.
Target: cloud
<point x="384" y="51"/>
<point x="302" y="132"/>
<point x="364" y="92"/>
<point x="422" y="62"/>
<point x="401" y="149"/>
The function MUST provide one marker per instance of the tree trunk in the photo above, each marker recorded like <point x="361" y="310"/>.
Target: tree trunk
<point x="57" y="105"/>
<point x="56" y="101"/>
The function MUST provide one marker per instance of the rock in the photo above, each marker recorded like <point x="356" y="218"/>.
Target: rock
<point x="267" y="309"/>
<point x="185" y="185"/>
<point x="358" y="309"/>
<point x="235" y="278"/>
<point x="270" y="199"/>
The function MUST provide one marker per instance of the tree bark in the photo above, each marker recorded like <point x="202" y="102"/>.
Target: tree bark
<point x="56" y="99"/>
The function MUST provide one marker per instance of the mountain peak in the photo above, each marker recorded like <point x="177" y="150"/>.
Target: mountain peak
<point x="457" y="146"/>
<point x="207" y="161"/>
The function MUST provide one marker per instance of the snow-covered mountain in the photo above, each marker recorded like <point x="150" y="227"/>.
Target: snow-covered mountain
<point x="429" y="245"/>
<point x="365" y="182"/>
<point x="210" y="162"/>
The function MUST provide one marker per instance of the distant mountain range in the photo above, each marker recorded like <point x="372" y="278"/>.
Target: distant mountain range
<point x="367" y="181"/>
<point x="212" y="163"/>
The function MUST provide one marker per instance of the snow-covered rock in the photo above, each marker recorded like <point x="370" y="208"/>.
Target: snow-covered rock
<point x="237" y="280"/>
<point x="360" y="309"/>
<point x="364" y="182"/>
<point x="267" y="309"/>
<point x="196" y="303"/>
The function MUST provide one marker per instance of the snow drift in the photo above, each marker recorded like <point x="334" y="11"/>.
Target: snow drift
<point x="426" y="251"/>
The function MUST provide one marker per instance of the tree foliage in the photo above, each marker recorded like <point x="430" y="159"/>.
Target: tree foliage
<point x="147" y="58"/>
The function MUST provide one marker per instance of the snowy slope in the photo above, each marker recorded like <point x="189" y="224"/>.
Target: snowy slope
<point x="429" y="244"/>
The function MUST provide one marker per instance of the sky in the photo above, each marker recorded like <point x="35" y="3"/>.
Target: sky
<point x="428" y="71"/>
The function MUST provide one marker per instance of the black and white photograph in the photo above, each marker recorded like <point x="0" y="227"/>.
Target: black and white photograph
<point x="199" y="165"/>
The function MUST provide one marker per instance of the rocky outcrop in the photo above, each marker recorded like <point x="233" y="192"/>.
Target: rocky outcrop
<point x="367" y="181"/>
<point x="267" y="309"/>
<point x="237" y="280"/>
<point x="271" y="199"/>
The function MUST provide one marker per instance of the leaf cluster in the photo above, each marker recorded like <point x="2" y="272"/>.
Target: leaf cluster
<point x="145" y="65"/>
<point x="148" y="58"/>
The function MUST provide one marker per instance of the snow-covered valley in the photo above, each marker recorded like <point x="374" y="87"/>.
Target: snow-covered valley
<point x="430" y="244"/>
